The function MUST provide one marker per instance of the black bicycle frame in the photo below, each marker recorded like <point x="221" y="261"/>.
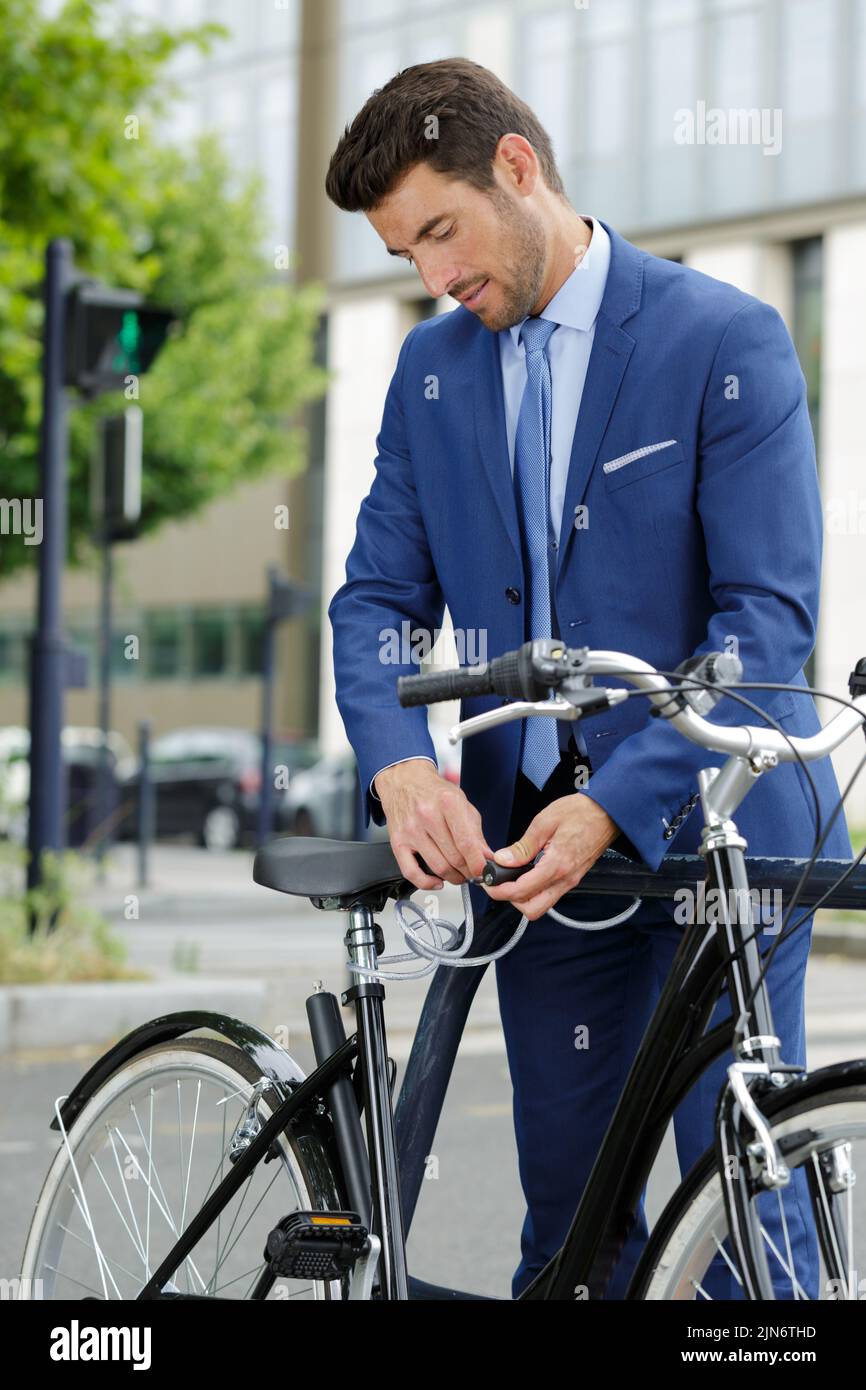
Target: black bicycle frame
<point x="675" y="1051"/>
<point x="374" y="1189"/>
<point x="673" y="1054"/>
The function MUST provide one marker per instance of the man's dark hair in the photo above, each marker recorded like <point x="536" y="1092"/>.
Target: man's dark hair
<point x="393" y="131"/>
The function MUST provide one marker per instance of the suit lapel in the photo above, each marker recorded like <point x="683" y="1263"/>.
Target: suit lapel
<point x="611" y="349"/>
<point x="490" y="432"/>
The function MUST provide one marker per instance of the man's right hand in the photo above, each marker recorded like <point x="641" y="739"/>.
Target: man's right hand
<point x="430" y="816"/>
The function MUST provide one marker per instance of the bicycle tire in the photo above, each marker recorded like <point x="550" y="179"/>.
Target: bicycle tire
<point x="303" y="1154"/>
<point x="693" y="1222"/>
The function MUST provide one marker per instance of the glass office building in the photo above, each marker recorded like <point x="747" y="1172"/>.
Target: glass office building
<point x="728" y="134"/>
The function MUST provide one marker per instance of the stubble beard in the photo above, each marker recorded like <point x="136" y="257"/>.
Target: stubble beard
<point x="523" y="270"/>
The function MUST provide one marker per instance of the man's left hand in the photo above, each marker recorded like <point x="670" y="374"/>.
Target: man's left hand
<point x="573" y="832"/>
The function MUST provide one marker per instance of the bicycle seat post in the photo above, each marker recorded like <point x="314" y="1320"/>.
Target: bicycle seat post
<point x="364" y="941"/>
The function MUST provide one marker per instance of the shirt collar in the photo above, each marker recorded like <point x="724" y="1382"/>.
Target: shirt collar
<point x="577" y="301"/>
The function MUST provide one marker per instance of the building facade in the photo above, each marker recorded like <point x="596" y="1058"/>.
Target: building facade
<point x="728" y="134"/>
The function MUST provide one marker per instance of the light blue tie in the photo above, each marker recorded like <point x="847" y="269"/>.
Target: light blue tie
<point x="540" y="753"/>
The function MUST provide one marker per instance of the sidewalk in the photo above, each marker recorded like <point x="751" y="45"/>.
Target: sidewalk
<point x="202" y="914"/>
<point x="211" y="938"/>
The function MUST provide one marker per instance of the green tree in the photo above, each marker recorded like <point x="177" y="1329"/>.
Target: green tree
<point x="85" y="152"/>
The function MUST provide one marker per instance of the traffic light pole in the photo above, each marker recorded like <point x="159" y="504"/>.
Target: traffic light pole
<point x="285" y="600"/>
<point x="103" y="783"/>
<point x="266" y="794"/>
<point x="48" y="650"/>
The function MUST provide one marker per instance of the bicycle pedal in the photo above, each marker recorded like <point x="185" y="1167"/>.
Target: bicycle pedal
<point x="316" y="1244"/>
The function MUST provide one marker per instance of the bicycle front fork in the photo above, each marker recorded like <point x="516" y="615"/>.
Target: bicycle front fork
<point x="749" y="1162"/>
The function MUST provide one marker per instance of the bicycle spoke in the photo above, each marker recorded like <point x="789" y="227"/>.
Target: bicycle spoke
<point x="238" y="1277"/>
<point x="149" y="1167"/>
<point x="93" y="1215"/>
<point x="135" y="1244"/>
<point x="152" y="1171"/>
<point x="850" y="1230"/>
<point x="161" y="1208"/>
<point x="180" y="1169"/>
<point x="246" y="1223"/>
<point x="125" y="1186"/>
<point x="221" y="1167"/>
<point x="788" y="1250"/>
<point x="727" y="1259"/>
<point x="73" y="1235"/>
<point x="64" y="1275"/>
<point x="769" y="1239"/>
<point x="102" y="1263"/>
<point x="83" y="1200"/>
<point x="189" y="1164"/>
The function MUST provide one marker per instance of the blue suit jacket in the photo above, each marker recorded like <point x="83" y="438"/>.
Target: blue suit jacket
<point x="716" y="536"/>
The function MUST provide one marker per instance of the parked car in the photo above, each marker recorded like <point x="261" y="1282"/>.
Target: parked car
<point x="322" y="801"/>
<point x="80" y="747"/>
<point x="14" y="783"/>
<point x="207" y="783"/>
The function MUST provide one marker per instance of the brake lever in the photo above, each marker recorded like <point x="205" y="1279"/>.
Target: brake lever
<point x="557" y="708"/>
<point x="570" y="703"/>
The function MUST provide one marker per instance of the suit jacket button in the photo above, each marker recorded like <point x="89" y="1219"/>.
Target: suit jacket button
<point x="513" y="595"/>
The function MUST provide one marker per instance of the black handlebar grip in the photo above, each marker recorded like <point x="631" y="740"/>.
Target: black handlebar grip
<point x="433" y="689"/>
<point x="511" y="675"/>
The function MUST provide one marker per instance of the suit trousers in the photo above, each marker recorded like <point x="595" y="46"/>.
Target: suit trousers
<point x="574" y="1006"/>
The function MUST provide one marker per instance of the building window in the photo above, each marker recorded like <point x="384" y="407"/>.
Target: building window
<point x="162" y="653"/>
<point x="251" y="633"/>
<point x="209" y="644"/>
<point x="13" y="656"/>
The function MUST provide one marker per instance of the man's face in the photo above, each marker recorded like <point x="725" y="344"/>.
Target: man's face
<point x="460" y="238"/>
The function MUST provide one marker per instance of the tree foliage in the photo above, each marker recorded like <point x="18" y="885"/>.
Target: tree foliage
<point x="86" y="153"/>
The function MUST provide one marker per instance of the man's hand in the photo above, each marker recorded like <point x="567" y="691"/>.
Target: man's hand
<point x="430" y="816"/>
<point x="573" y="832"/>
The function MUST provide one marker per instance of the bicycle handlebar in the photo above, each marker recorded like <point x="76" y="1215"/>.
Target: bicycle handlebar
<point x="529" y="674"/>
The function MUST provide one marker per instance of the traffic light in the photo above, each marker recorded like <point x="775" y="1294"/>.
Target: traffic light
<point x="111" y="334"/>
<point x="115" y="490"/>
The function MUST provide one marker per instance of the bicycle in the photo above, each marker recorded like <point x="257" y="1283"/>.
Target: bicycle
<point x="167" y="1142"/>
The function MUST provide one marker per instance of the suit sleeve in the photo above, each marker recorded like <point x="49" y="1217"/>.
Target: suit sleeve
<point x="391" y="591"/>
<point x="759" y="505"/>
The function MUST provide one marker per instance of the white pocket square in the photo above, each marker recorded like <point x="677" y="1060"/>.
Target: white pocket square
<point x="613" y="464"/>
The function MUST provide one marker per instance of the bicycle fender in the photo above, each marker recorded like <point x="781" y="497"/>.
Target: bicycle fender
<point x="267" y="1054"/>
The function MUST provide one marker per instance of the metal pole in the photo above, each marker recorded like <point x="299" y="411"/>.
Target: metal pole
<point x="47" y="652"/>
<point x="266" y="793"/>
<point x="103" y="798"/>
<point x="146" y="801"/>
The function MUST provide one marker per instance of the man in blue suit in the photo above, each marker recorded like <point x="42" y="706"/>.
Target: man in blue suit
<point x="608" y="447"/>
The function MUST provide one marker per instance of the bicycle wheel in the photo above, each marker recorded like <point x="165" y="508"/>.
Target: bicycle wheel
<point x="147" y="1149"/>
<point x="820" y="1134"/>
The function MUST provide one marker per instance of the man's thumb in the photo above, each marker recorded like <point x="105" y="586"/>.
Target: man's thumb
<point x="519" y="853"/>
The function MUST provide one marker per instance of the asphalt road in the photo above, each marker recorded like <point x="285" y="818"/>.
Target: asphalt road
<point x="466" y="1230"/>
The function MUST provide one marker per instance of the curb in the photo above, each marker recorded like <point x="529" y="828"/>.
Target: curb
<point x="839" y="938"/>
<point x="42" y="1016"/>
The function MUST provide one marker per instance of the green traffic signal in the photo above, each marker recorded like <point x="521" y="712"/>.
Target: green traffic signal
<point x="129" y="339"/>
<point x="110" y="335"/>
